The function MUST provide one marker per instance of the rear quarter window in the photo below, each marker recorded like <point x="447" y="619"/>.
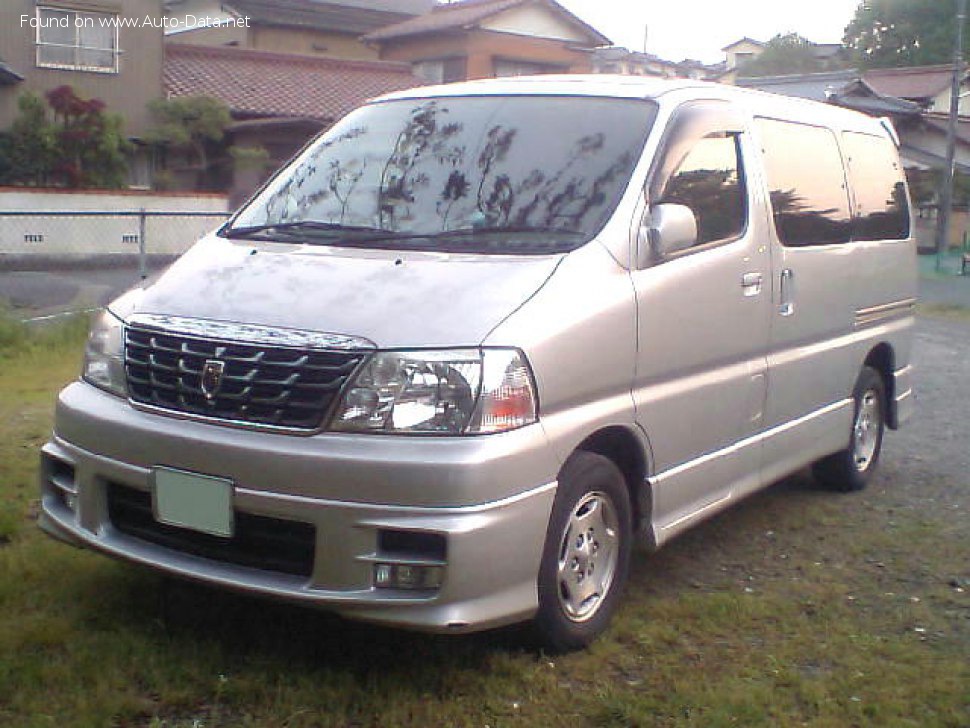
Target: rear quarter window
<point x="880" y="206"/>
<point x="806" y="181"/>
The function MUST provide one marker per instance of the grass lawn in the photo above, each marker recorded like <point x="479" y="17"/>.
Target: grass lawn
<point x="796" y="607"/>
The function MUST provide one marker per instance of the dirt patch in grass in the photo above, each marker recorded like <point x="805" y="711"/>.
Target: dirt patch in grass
<point x="795" y="607"/>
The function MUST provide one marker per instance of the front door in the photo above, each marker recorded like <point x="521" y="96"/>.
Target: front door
<point x="703" y="317"/>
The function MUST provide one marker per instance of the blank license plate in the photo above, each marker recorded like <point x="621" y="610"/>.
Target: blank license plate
<point x="199" y="502"/>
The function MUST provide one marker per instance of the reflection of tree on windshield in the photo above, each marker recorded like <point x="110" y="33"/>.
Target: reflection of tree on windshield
<point x="559" y="192"/>
<point x="455" y="189"/>
<point x="342" y="183"/>
<point x="292" y="202"/>
<point x="497" y="205"/>
<point x="399" y="181"/>
<point x="420" y="168"/>
<point x="566" y="198"/>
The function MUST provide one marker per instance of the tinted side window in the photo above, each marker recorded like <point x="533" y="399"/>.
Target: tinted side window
<point x="878" y="190"/>
<point x="710" y="181"/>
<point x="806" y="182"/>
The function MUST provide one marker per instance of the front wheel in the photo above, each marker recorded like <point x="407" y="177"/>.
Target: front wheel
<point x="586" y="554"/>
<point x="851" y="469"/>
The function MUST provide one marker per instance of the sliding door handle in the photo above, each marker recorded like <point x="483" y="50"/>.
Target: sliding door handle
<point x="787" y="294"/>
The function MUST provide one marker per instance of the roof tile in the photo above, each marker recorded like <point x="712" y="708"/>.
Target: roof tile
<point x="913" y="82"/>
<point x="263" y="84"/>
<point x="315" y="14"/>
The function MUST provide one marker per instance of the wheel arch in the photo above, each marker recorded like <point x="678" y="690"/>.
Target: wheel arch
<point x="882" y="358"/>
<point x="629" y="451"/>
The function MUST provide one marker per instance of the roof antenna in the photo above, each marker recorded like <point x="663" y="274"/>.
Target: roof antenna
<point x="645" y="29"/>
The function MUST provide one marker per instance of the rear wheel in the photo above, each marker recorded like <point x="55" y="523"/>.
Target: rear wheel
<point x="851" y="469"/>
<point x="586" y="555"/>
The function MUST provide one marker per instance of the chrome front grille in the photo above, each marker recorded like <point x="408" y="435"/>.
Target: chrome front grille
<point x="292" y="388"/>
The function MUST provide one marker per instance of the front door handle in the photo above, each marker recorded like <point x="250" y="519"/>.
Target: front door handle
<point x="787" y="295"/>
<point x="751" y="283"/>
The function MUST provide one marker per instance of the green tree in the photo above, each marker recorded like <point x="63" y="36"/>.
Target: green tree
<point x="192" y="125"/>
<point x="785" y="53"/>
<point x="894" y="33"/>
<point x="30" y="147"/>
<point x="70" y="141"/>
<point x="91" y="143"/>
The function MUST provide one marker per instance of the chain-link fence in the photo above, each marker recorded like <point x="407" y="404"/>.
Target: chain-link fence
<point x="57" y="262"/>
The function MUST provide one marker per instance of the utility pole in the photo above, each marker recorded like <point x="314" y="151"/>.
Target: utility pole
<point x="946" y="197"/>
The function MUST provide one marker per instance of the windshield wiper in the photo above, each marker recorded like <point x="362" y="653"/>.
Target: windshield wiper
<point x="314" y="227"/>
<point x="528" y="239"/>
<point x="469" y="232"/>
<point x="509" y="230"/>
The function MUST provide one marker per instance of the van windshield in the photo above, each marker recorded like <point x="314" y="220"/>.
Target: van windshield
<point x="498" y="174"/>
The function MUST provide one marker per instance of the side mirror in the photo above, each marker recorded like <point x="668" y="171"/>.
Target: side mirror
<point x="668" y="228"/>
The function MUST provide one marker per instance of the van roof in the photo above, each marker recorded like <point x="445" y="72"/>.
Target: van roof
<point x="607" y="85"/>
<point x="640" y="87"/>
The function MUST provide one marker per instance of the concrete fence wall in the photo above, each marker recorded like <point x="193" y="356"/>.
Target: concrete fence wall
<point x="51" y="227"/>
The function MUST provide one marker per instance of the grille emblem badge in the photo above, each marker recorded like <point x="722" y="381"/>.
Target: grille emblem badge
<point x="212" y="372"/>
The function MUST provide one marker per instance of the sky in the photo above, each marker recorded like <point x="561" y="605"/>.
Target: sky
<point x="678" y="29"/>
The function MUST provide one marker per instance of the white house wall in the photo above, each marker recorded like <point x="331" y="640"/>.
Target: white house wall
<point x="941" y="102"/>
<point x="933" y="143"/>
<point x="535" y="21"/>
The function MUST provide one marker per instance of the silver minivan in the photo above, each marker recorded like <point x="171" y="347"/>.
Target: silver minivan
<point x="476" y="339"/>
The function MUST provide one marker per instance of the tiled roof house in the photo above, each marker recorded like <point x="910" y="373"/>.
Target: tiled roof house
<point x="321" y="28"/>
<point x="928" y="86"/>
<point x="487" y="38"/>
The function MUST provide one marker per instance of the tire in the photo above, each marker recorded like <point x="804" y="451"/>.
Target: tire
<point x="586" y="555"/>
<point x="851" y="469"/>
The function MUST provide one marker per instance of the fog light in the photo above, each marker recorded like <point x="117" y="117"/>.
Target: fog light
<point x="407" y="576"/>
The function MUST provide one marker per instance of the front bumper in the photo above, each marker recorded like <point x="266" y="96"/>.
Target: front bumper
<point x="473" y="492"/>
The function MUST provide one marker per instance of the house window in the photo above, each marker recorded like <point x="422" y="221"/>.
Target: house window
<point x="443" y="70"/>
<point x="77" y="40"/>
<point x="505" y="68"/>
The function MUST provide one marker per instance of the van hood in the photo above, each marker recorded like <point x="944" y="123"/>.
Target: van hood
<point x="395" y="299"/>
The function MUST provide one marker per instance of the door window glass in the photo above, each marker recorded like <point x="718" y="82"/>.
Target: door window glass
<point x="710" y="181"/>
<point x="806" y="183"/>
<point x="881" y="210"/>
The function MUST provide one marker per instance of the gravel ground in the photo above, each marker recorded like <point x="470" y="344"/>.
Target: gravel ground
<point x="924" y="482"/>
<point x="949" y="291"/>
<point x="935" y="443"/>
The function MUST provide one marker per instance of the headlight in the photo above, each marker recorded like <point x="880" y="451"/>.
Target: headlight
<point x="104" y="354"/>
<point x="447" y="392"/>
